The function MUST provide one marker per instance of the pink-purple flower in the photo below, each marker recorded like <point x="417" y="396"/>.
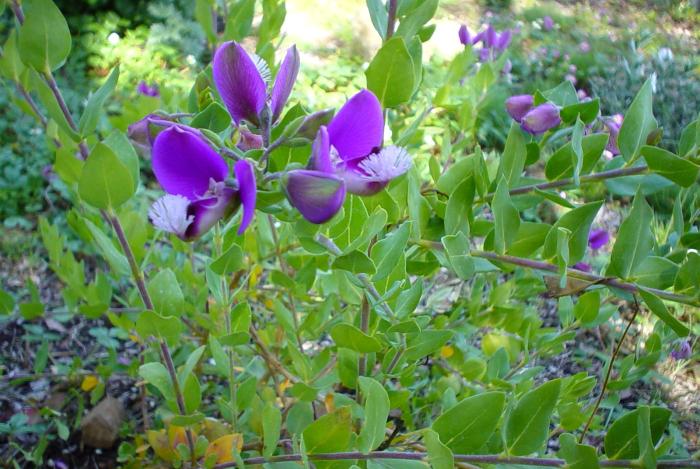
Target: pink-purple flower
<point x="598" y="238"/>
<point x="198" y="189"/>
<point x="242" y="82"/>
<point x="682" y="352"/>
<point x="613" y="125"/>
<point x="548" y="23"/>
<point x="346" y="156"/>
<point x="532" y="119"/>
<point x="148" y="90"/>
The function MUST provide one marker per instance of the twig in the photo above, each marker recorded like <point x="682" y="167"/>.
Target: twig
<point x="269" y="358"/>
<point x="391" y="18"/>
<point x="608" y="372"/>
<point x="467" y="458"/>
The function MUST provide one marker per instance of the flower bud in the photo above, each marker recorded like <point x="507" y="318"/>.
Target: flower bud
<point x="541" y="118"/>
<point x="464" y="37"/>
<point x="518" y="106"/>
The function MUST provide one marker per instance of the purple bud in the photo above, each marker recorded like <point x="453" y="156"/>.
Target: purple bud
<point x="484" y="54"/>
<point x="682" y="351"/>
<point x="503" y="40"/>
<point x="146" y="90"/>
<point x="613" y="124"/>
<point x="548" y="23"/>
<point x="572" y="68"/>
<point x="571" y="78"/>
<point x="518" y="106"/>
<point x="582" y="94"/>
<point x="464" y="36"/>
<point x="541" y="118"/>
<point x="598" y="238"/>
<point x="144" y="131"/>
<point x="582" y="266"/>
<point x="249" y="140"/>
<point x="490" y="36"/>
<point x="584" y="46"/>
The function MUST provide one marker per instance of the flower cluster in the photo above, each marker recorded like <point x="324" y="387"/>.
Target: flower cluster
<point x="533" y="119"/>
<point x="347" y="155"/>
<point x="493" y="42"/>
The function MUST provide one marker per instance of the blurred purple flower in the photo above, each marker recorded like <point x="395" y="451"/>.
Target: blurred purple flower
<point x="548" y="23"/>
<point x="503" y="40"/>
<point x="556" y="53"/>
<point x="541" y="118"/>
<point x="464" y="36"/>
<point x="146" y="90"/>
<point x="346" y="156"/>
<point x="519" y="105"/>
<point x="484" y="54"/>
<point x="242" y="82"/>
<point x="571" y="78"/>
<point x="581" y="94"/>
<point x="613" y="125"/>
<point x="682" y="351"/>
<point x="507" y="66"/>
<point x="582" y="266"/>
<point x="195" y="178"/>
<point x="584" y="46"/>
<point x="598" y="238"/>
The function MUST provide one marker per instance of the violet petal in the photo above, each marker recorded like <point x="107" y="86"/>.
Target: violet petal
<point x="321" y="152"/>
<point x="541" y="118"/>
<point x="369" y="175"/>
<point x="247" y="192"/>
<point x="284" y="81"/>
<point x="519" y="105"/>
<point x="598" y="238"/>
<point x="208" y="211"/>
<point x="318" y="196"/>
<point x="184" y="163"/>
<point x="358" y="128"/>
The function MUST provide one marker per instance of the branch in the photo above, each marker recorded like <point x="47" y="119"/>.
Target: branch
<point x="467" y="458"/>
<point x="601" y="176"/>
<point x="391" y="19"/>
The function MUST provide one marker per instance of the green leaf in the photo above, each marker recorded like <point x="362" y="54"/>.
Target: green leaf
<point x="656" y="272"/>
<point x="121" y="146"/>
<point x="622" y="439"/>
<point x="379" y="16"/>
<point x="187" y="420"/>
<point x="330" y="433"/>
<point x="467" y="426"/>
<point x="372" y="226"/>
<point x="91" y="115"/>
<point x="220" y="358"/>
<point x="563" y="237"/>
<point x="578" y="221"/>
<point x="190" y="363"/>
<point x="459" y="207"/>
<point x="457" y="248"/>
<point x="105" y="181"/>
<point x="586" y="110"/>
<point x="11" y="66"/>
<point x="408" y="299"/>
<point x="587" y="307"/>
<point x="530" y="238"/>
<point x="156" y="374"/>
<point x="411" y="23"/>
<point x="390" y="74"/>
<point x="639" y="122"/>
<point x="117" y="261"/>
<point x="7" y="302"/>
<point x="560" y="164"/>
<point x="659" y="309"/>
<point x="634" y="240"/>
<point x="152" y="324"/>
<point x="506" y="218"/>
<point x="577" y="456"/>
<point x="41" y="357"/>
<point x="272" y="424"/>
<point x="203" y="14"/>
<point x="214" y="117"/>
<point x="192" y="393"/>
<point x="426" y="342"/>
<point x="240" y="20"/>
<point x="53" y="109"/>
<point x="165" y="292"/>
<point x="439" y="455"/>
<point x="356" y="262"/>
<point x="44" y="38"/>
<point x="229" y="262"/>
<point x="376" y="412"/>
<point x="514" y="155"/>
<point x="577" y="150"/>
<point x="349" y="336"/>
<point x="562" y="95"/>
<point x="664" y="163"/>
<point x="688" y="277"/>
<point x="647" y="454"/>
<point x="527" y="428"/>
<point x="386" y="253"/>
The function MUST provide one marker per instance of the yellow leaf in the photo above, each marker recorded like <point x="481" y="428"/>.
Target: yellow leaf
<point x="159" y="442"/>
<point x="177" y="435"/>
<point x="330" y="402"/>
<point x="89" y="383"/>
<point x="447" y="351"/>
<point x="223" y="446"/>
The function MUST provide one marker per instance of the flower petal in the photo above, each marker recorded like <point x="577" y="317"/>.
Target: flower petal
<point x="598" y="238"/>
<point x="247" y="192"/>
<point x="541" y="118"/>
<point x="184" y="163"/>
<point x="208" y="211"/>
<point x="519" y="105"/>
<point x="358" y="128"/>
<point x="284" y="81"/>
<point x="321" y="152"/>
<point x="169" y="213"/>
<point x="318" y="196"/>
<point x="239" y="82"/>
<point x="367" y="176"/>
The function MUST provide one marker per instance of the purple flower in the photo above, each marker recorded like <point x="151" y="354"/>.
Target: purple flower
<point x="541" y="118"/>
<point x="548" y="23"/>
<point x="249" y="140"/>
<point x="584" y="46"/>
<point x="682" y="351"/>
<point x="242" y="81"/>
<point x="582" y="266"/>
<point x="571" y="78"/>
<point x="143" y="132"/>
<point x="194" y="176"/>
<point x="146" y="90"/>
<point x="613" y="125"/>
<point x="490" y="37"/>
<point x="484" y="54"/>
<point x="582" y="95"/>
<point x="464" y="36"/>
<point x="503" y="40"/>
<point x="519" y="105"/>
<point x="346" y="156"/>
<point x="598" y="238"/>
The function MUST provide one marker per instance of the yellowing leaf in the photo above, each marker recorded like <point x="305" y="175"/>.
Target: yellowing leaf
<point x="89" y="383"/>
<point x="330" y="402"/>
<point x="223" y="446"/>
<point x="160" y="444"/>
<point x="447" y="351"/>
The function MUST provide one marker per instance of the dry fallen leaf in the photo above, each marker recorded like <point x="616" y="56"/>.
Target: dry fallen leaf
<point x="100" y="427"/>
